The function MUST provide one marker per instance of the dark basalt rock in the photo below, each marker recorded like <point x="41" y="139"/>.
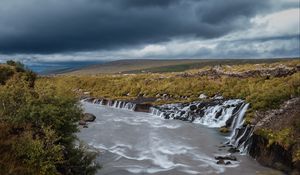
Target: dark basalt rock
<point x="81" y="122"/>
<point x="226" y="157"/>
<point x="219" y="113"/>
<point x="224" y="129"/>
<point x="272" y="155"/>
<point x="142" y="107"/>
<point x="88" y="117"/>
<point x="221" y="162"/>
<point x="235" y="110"/>
<point x="193" y="107"/>
<point x="90" y="100"/>
<point x="228" y="163"/>
<point x="104" y="102"/>
<point x="277" y="155"/>
<point x="233" y="150"/>
<point x="201" y="105"/>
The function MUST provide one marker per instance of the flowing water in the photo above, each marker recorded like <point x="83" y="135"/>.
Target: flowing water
<point x="141" y="143"/>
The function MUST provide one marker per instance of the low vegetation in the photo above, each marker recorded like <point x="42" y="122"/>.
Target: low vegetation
<point x="262" y="92"/>
<point x="161" y="66"/>
<point x="37" y="127"/>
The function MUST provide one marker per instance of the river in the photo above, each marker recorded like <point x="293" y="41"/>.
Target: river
<point x="140" y="143"/>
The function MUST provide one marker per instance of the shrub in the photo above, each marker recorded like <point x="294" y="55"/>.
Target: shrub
<point x="37" y="130"/>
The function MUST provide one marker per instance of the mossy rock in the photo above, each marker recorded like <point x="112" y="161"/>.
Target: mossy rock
<point x="224" y="130"/>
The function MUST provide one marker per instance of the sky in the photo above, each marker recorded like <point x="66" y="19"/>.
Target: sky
<point x="68" y="30"/>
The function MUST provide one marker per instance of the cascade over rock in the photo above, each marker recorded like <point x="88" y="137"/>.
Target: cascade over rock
<point x="229" y="114"/>
<point x="213" y="113"/>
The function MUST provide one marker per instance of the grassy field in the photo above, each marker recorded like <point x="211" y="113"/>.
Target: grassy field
<point x="160" y="66"/>
<point x="261" y="92"/>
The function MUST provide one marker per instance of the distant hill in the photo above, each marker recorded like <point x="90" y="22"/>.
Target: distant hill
<point x="141" y="66"/>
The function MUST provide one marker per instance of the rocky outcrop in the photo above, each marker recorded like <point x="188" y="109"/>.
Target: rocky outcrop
<point x="88" y="117"/>
<point x="142" y="107"/>
<point x="273" y="155"/>
<point x="279" y="150"/>
<point x="217" y="72"/>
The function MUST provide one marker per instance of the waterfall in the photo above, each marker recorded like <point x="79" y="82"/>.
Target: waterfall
<point x="243" y="147"/>
<point x="156" y="112"/>
<point x="213" y="114"/>
<point x="238" y="122"/>
<point x="211" y="119"/>
<point x="130" y="106"/>
<point x="114" y="104"/>
<point x="233" y="124"/>
<point x="216" y="113"/>
<point x="236" y="141"/>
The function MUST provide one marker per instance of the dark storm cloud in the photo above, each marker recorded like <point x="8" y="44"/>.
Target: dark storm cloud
<point x="147" y="3"/>
<point x="55" y="26"/>
<point x="214" y="12"/>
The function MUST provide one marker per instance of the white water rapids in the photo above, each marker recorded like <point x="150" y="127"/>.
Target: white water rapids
<point x="141" y="143"/>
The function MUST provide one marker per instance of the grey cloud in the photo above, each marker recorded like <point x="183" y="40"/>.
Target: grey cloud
<point x="215" y="12"/>
<point x="65" y="26"/>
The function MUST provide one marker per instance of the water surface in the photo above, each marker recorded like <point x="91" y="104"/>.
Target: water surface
<point x="140" y="143"/>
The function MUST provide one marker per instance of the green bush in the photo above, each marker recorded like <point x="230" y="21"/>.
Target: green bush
<point x="5" y="74"/>
<point x="37" y="130"/>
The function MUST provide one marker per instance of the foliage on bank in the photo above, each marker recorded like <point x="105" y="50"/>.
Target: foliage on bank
<point x="37" y="127"/>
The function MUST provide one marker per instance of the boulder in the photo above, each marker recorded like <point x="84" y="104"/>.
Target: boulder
<point x="221" y="162"/>
<point x="202" y="96"/>
<point x="193" y="107"/>
<point x="142" y="107"/>
<point x="218" y="97"/>
<point x="165" y="95"/>
<point x="226" y="157"/>
<point x="233" y="150"/>
<point x="224" y="129"/>
<point x="228" y="163"/>
<point x="88" y="117"/>
<point x="81" y="122"/>
<point x="86" y="93"/>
